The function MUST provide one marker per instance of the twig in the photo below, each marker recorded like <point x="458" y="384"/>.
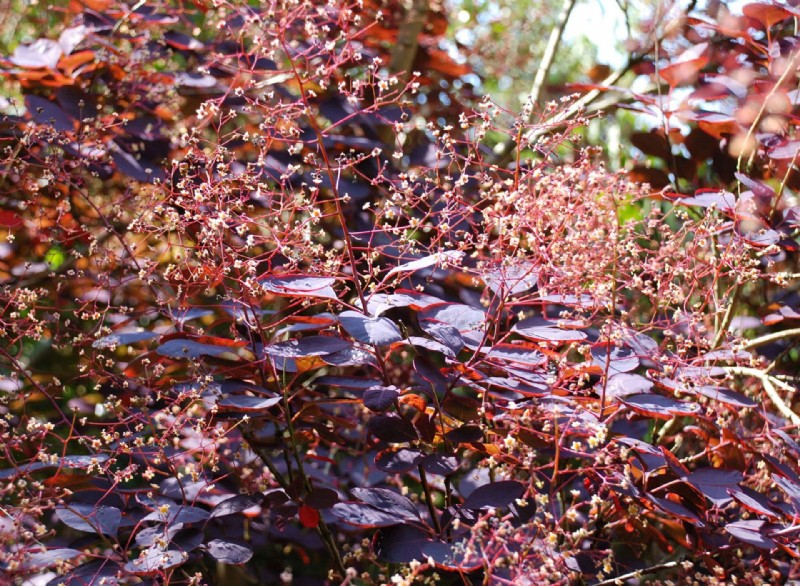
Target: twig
<point x="769" y="382"/>
<point x="773" y="337"/>
<point x="726" y="320"/>
<point x="621" y="579"/>
<point x="549" y="55"/>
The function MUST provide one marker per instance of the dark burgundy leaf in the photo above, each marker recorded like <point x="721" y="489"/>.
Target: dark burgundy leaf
<point x="300" y="285"/>
<point x="724" y="395"/>
<point x="535" y="328"/>
<point x="185" y="348"/>
<point x="236" y="504"/>
<point x="322" y="498"/>
<point x="445" y="334"/>
<point x="677" y="510"/>
<point x="659" y="406"/>
<point x="751" y="532"/>
<point x="388" y="501"/>
<point x="789" y="151"/>
<point x="248" y="404"/>
<point x="178" y="514"/>
<point x="350" y="356"/>
<point x="122" y="339"/>
<point x="462" y="317"/>
<point x="398" y="460"/>
<point x="440" y="464"/>
<point x="495" y="495"/>
<point x="715" y="483"/>
<point x="721" y="200"/>
<point x="364" y="516"/>
<point x="229" y="552"/>
<point x="136" y="168"/>
<point x="511" y="280"/>
<point x="154" y="560"/>
<point x="392" y="428"/>
<point x="90" y="518"/>
<point x="465" y="434"/>
<point x="43" y="111"/>
<point x="49" y="558"/>
<point x="759" y="189"/>
<point x="347" y="382"/>
<point x="308" y="346"/>
<point x="96" y="573"/>
<point x="380" y="398"/>
<point x="400" y="544"/>
<point x="182" y="42"/>
<point x="753" y="501"/>
<point x="624" y="384"/>
<point x="515" y="353"/>
<point x="617" y="361"/>
<point x="382" y="302"/>
<point x="370" y="330"/>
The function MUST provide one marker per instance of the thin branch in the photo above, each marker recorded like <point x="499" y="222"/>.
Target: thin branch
<point x="769" y="382"/>
<point x="769" y="338"/>
<point x="637" y="574"/>
<point x="549" y="55"/>
<point x="726" y="320"/>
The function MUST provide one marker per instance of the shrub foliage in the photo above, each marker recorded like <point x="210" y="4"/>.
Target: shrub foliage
<point x="275" y="309"/>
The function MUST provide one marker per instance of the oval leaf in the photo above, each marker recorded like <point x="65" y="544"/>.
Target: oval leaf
<point x="495" y="495"/>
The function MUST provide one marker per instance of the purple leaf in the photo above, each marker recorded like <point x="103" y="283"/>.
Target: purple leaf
<point x="398" y="460"/>
<point x="753" y="501"/>
<point x="122" y="339"/>
<point x="155" y="560"/>
<point x="495" y="495"/>
<point x="536" y="328"/>
<point x="364" y="516"/>
<point x="659" y="406"/>
<point x="724" y="395"/>
<point x="380" y="398"/>
<point x="178" y="514"/>
<point x="400" y="544"/>
<point x="624" y="384"/>
<point x="440" y="464"/>
<point x="751" y="532"/>
<point x="236" y="504"/>
<point x="462" y="317"/>
<point x="392" y="428"/>
<point x="300" y="286"/>
<point x="716" y="483"/>
<point x="308" y="346"/>
<point x="512" y="280"/>
<point x="515" y="353"/>
<point x="185" y="348"/>
<point x="90" y="518"/>
<point x="229" y="552"/>
<point x="51" y="557"/>
<point x="619" y="360"/>
<point x="248" y="404"/>
<point x="388" y="501"/>
<point x="43" y="111"/>
<point x="378" y="331"/>
<point x="40" y="53"/>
